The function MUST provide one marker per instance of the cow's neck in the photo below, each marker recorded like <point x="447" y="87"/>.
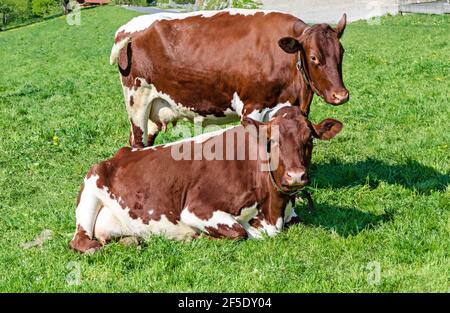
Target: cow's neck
<point x="274" y="206"/>
<point x="272" y="202"/>
<point x="306" y="96"/>
<point x="306" y="93"/>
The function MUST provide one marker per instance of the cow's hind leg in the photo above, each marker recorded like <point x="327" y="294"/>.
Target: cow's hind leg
<point x="153" y="130"/>
<point x="87" y="209"/>
<point x="138" y="102"/>
<point x="107" y="226"/>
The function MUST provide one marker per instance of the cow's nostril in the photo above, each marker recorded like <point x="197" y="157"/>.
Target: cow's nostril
<point x="304" y="179"/>
<point x="340" y="96"/>
<point x="296" y="178"/>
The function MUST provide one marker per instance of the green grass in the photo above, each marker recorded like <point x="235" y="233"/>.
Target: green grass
<point x="381" y="186"/>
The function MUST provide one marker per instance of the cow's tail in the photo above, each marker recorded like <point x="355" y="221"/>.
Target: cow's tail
<point x="115" y="51"/>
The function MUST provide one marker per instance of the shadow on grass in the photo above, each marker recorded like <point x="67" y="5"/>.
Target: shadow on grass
<point x="344" y="221"/>
<point x="350" y="221"/>
<point x="411" y="175"/>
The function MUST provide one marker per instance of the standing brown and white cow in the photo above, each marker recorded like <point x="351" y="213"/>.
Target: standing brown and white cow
<point x="217" y="66"/>
<point x="140" y="192"/>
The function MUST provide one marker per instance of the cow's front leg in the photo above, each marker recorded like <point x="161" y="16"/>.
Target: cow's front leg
<point x="232" y="231"/>
<point x="259" y="226"/>
<point x="218" y="225"/>
<point x="153" y="130"/>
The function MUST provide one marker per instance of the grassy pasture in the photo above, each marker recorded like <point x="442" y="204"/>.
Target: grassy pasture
<point x="381" y="186"/>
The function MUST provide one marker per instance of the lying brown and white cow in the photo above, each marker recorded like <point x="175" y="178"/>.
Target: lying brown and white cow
<point x="214" y="67"/>
<point x="140" y="192"/>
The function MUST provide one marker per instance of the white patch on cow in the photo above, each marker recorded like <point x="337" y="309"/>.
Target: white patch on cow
<point x="107" y="226"/>
<point x="88" y="207"/>
<point x="266" y="228"/>
<point x="244" y="218"/>
<point x="237" y="104"/>
<point x="247" y="214"/>
<point x="272" y="230"/>
<point x="123" y="223"/>
<point x="218" y="217"/>
<point x="144" y="21"/>
<point x="267" y="114"/>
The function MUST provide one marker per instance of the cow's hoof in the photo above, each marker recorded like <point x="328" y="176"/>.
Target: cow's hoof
<point x="90" y="251"/>
<point x="84" y="245"/>
<point x="129" y="241"/>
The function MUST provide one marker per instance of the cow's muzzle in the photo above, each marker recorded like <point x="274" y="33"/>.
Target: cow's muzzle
<point x="339" y="97"/>
<point x="295" y="180"/>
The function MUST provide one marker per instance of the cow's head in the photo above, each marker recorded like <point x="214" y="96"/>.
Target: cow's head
<point x="320" y="58"/>
<point x="293" y="144"/>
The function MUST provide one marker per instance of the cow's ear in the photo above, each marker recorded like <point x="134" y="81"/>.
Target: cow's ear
<point x="299" y="28"/>
<point x="327" y="129"/>
<point x="289" y="44"/>
<point x="254" y="127"/>
<point x="341" y="25"/>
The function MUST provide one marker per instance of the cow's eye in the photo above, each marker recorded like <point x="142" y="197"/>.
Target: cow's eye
<point x="314" y="59"/>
